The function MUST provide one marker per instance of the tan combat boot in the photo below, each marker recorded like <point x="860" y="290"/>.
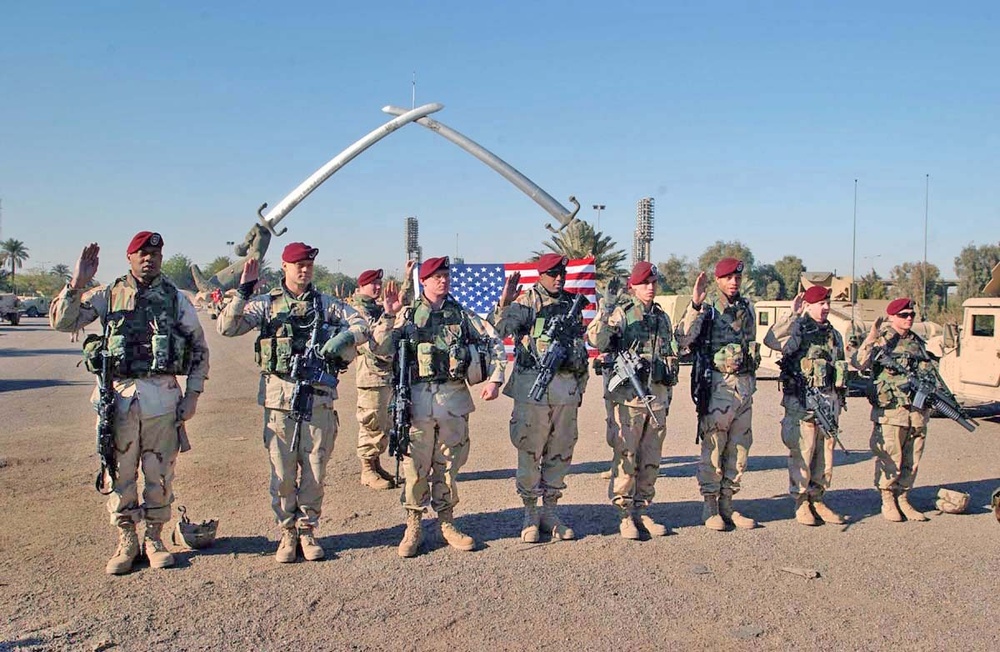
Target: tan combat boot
<point x="128" y="550"/>
<point x="455" y="537"/>
<point x="646" y="522"/>
<point x="803" y="514"/>
<point x="531" y="523"/>
<point x="731" y="516"/>
<point x="311" y="550"/>
<point x="889" y="509"/>
<point x="370" y="476"/>
<point x="710" y="514"/>
<point x="156" y="552"/>
<point x="909" y="511"/>
<point x="825" y="513"/>
<point x="287" y="546"/>
<point x="413" y="536"/>
<point x="385" y="475"/>
<point x="627" y="527"/>
<point x="552" y="524"/>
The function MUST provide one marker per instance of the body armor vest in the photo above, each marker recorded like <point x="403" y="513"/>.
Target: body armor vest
<point x="649" y="334"/>
<point x="287" y="330"/>
<point x="732" y="346"/>
<point x="440" y="339"/>
<point x="908" y="351"/>
<point x="530" y="350"/>
<point x="819" y="356"/>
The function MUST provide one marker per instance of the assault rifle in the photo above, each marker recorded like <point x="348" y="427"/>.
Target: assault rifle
<point x="814" y="400"/>
<point x="107" y="476"/>
<point x="561" y="332"/>
<point x="701" y="369"/>
<point x="628" y="365"/>
<point x="927" y="390"/>
<point x="308" y="369"/>
<point x="399" y="435"/>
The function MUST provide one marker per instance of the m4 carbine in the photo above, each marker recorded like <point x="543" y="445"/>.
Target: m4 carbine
<point x="399" y="435"/>
<point x="628" y="365"/>
<point x="927" y="390"/>
<point x="701" y="369"/>
<point x="814" y="400"/>
<point x="107" y="476"/>
<point x="308" y="370"/>
<point x="560" y="334"/>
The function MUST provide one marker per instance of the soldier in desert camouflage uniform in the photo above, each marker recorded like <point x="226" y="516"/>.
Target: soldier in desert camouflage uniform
<point x="900" y="429"/>
<point x="543" y="432"/>
<point x="285" y="317"/>
<point x="448" y="343"/>
<point x="812" y="351"/>
<point x="154" y="335"/>
<point x="637" y="323"/>
<point x="374" y="381"/>
<point x="726" y="430"/>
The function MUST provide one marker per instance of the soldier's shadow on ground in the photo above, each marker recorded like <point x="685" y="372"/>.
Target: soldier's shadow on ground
<point x="25" y="353"/>
<point x="253" y="545"/>
<point x="21" y="384"/>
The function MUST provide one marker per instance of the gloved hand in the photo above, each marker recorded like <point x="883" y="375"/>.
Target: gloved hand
<point x="188" y="406"/>
<point x="336" y="347"/>
<point x="612" y="291"/>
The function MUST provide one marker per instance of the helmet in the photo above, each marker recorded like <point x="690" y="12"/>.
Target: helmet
<point x="194" y="536"/>
<point x="952" y="502"/>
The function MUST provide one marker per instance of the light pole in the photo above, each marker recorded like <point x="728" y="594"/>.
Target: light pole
<point x="599" y="208"/>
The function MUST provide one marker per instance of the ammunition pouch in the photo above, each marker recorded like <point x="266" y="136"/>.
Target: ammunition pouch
<point x="736" y="358"/>
<point x="665" y="371"/>
<point x="92" y="347"/>
<point x="478" y="368"/>
<point x="274" y="355"/>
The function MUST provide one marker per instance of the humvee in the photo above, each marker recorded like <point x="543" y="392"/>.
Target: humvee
<point x="10" y="308"/>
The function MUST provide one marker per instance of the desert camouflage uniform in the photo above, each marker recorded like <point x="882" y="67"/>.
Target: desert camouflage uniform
<point x="636" y="440"/>
<point x="146" y="425"/>
<point x="296" y="476"/>
<point x="543" y="432"/>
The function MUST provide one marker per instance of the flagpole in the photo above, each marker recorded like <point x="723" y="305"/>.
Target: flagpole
<point x="927" y="188"/>
<point x="854" y="256"/>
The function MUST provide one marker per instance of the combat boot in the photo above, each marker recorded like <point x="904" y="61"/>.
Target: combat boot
<point x="889" y="509"/>
<point x="413" y="536"/>
<point x="455" y="537"/>
<point x="627" y="527"/>
<point x="803" y="514"/>
<point x="287" y="546"/>
<point x="710" y="514"/>
<point x="825" y="513"/>
<point x="606" y="475"/>
<point x="531" y="523"/>
<point x="551" y="522"/>
<point x="370" y="476"/>
<point x="646" y="522"/>
<point x="909" y="511"/>
<point x="311" y="550"/>
<point x="731" y="516"/>
<point x="156" y="552"/>
<point x="385" y="475"/>
<point x="128" y="550"/>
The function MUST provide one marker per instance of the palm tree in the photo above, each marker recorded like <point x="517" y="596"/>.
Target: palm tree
<point x="16" y="253"/>
<point x="62" y="271"/>
<point x="579" y="240"/>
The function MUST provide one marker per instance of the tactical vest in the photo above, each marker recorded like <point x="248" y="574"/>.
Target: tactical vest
<point x="368" y="307"/>
<point x="530" y="350"/>
<point x="144" y="336"/>
<point x="909" y="352"/>
<point x="732" y="346"/>
<point x="819" y="356"/>
<point x="441" y="339"/>
<point x="642" y="330"/>
<point x="287" y="330"/>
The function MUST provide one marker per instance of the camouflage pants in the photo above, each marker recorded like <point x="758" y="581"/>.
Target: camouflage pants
<point x="638" y="446"/>
<point x="373" y="421"/>
<point x="544" y="436"/>
<point x="810" y="455"/>
<point x="297" y="476"/>
<point x="438" y="449"/>
<point x="151" y="443"/>
<point x="726" y="436"/>
<point x="897" y="450"/>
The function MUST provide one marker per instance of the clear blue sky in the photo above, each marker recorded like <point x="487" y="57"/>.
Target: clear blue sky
<point x="745" y="121"/>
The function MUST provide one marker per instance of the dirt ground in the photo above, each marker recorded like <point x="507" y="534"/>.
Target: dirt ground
<point x="881" y="585"/>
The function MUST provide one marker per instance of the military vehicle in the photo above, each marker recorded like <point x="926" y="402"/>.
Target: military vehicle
<point x="10" y="308"/>
<point x="35" y="306"/>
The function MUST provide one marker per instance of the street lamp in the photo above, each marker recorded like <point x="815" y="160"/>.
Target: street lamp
<point x="599" y="208"/>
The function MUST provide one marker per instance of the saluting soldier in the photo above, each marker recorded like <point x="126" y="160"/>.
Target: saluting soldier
<point x="450" y="345"/>
<point x="636" y="323"/>
<point x="285" y="318"/>
<point x="725" y="430"/>
<point x="153" y="335"/>
<point x="900" y="429"/>
<point x="544" y="432"/>
<point x="812" y="352"/>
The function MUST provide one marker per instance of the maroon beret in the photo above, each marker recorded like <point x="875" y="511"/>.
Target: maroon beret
<point x="641" y="273"/>
<point x="897" y="305"/>
<point x="431" y="265"/>
<point x="144" y="239"/>
<point x="728" y="266"/>
<point x="296" y="252"/>
<point x="370" y="276"/>
<point x="816" y="293"/>
<point x="550" y="261"/>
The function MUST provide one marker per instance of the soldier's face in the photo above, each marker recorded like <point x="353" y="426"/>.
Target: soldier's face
<point x="644" y="292"/>
<point x="372" y="290"/>
<point x="553" y="280"/>
<point x="436" y="285"/>
<point x="819" y="311"/>
<point x="902" y="321"/>
<point x="145" y="263"/>
<point x="730" y="285"/>
<point x="298" y="274"/>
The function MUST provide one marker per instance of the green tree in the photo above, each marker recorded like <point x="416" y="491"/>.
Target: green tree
<point x="974" y="267"/>
<point x="62" y="271"/>
<point x="335" y="283"/>
<point x="178" y="269"/>
<point x="217" y="265"/>
<point x="871" y="286"/>
<point x="675" y="275"/>
<point x="579" y="240"/>
<point x="908" y="280"/>
<point x="720" y="250"/>
<point x="15" y="253"/>
<point x="767" y="283"/>
<point x="38" y="281"/>
<point x="790" y="269"/>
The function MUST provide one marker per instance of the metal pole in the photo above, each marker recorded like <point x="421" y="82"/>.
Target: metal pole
<point x="599" y="208"/>
<point x="927" y="187"/>
<point x="854" y="256"/>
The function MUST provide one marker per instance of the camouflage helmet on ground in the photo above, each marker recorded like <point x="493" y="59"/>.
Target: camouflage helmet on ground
<point x="952" y="502"/>
<point x="193" y="535"/>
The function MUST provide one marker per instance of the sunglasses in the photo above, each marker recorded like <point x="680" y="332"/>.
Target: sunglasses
<point x="556" y="272"/>
<point x="907" y="314"/>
